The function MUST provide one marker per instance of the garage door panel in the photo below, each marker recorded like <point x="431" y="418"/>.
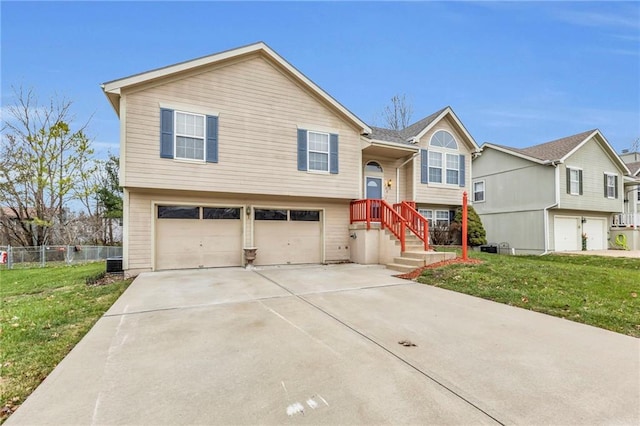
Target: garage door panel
<point x="175" y="248"/>
<point x="221" y="245"/>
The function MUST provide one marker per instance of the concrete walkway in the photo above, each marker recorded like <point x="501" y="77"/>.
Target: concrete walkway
<point x="608" y="253"/>
<point x="319" y="345"/>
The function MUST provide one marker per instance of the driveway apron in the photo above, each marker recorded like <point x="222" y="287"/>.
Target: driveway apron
<point x="320" y="344"/>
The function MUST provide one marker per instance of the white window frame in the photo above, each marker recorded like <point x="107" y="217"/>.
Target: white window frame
<point x="476" y="192"/>
<point x="438" y="220"/>
<point x="611" y="189"/>
<point x="309" y="151"/>
<point x="176" y="134"/>
<point x="435" y="147"/>
<point x="427" y="214"/>
<point x="447" y="169"/>
<point x="571" y="181"/>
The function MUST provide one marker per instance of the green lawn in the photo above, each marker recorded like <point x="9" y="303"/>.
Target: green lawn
<point x="44" y="313"/>
<point x="599" y="291"/>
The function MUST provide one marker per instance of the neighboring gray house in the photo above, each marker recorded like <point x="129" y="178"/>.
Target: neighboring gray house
<point x="549" y="197"/>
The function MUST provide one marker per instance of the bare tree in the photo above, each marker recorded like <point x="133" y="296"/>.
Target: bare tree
<point x="397" y="116"/>
<point x="43" y="166"/>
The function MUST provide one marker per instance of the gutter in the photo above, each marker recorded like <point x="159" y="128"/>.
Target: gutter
<point x="398" y="174"/>
<point x="546" y="209"/>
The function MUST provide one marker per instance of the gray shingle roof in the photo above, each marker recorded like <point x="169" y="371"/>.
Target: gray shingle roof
<point x="634" y="168"/>
<point x="556" y="149"/>
<point x="402" y="136"/>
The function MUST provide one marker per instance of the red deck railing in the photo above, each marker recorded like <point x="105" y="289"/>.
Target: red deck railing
<point x="417" y="223"/>
<point x="397" y="218"/>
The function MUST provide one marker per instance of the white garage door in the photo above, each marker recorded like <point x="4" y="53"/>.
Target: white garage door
<point x="567" y="233"/>
<point x="198" y="237"/>
<point x="285" y="236"/>
<point x="596" y="230"/>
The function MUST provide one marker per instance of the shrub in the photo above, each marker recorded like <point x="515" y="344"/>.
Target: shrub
<point x="476" y="235"/>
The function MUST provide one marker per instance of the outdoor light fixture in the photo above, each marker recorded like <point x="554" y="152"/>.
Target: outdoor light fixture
<point x="584" y="220"/>
<point x="389" y="182"/>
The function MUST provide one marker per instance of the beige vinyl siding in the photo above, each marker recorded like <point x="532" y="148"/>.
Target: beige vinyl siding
<point x="594" y="162"/>
<point x="512" y="184"/>
<point x="142" y="216"/>
<point x="442" y="193"/>
<point x="259" y="110"/>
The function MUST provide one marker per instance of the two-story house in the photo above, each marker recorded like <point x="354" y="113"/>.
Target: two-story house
<point x="626" y="225"/>
<point x="240" y="149"/>
<point x="552" y="196"/>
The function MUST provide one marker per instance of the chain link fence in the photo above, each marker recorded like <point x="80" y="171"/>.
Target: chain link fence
<point x="42" y="256"/>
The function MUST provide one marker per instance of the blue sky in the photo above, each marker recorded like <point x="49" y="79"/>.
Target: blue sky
<point x="515" y="73"/>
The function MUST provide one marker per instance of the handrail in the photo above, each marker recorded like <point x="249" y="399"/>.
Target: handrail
<point x="394" y="221"/>
<point x="417" y="223"/>
<point x="375" y="210"/>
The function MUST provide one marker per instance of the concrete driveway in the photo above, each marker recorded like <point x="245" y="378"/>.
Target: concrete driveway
<point x="319" y="344"/>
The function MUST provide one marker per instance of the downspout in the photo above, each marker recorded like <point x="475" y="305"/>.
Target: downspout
<point x="398" y="176"/>
<point x="546" y="209"/>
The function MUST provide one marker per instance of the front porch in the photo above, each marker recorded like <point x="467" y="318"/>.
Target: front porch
<point x="394" y="235"/>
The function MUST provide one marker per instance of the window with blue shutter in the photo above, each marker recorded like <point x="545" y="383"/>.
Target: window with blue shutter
<point x="333" y="153"/>
<point x="188" y="136"/>
<point x="212" y="139"/>
<point x="318" y="151"/>
<point x="462" y="171"/>
<point x="166" y="133"/>
<point x="302" y="150"/>
<point x="424" y="166"/>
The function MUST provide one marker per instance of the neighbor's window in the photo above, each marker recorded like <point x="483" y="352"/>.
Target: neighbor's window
<point x="478" y="191"/>
<point x="319" y="151"/>
<point x="189" y="136"/>
<point x="611" y="186"/>
<point x="574" y="181"/>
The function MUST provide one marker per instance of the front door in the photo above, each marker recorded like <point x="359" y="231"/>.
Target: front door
<point x="374" y="192"/>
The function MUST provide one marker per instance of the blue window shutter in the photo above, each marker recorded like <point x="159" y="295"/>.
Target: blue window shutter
<point x="462" y="171"/>
<point x="302" y="150"/>
<point x="212" y="139"/>
<point x="333" y="153"/>
<point x="424" y="166"/>
<point x="166" y="133"/>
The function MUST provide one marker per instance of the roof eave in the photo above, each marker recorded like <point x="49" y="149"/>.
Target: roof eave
<point x="612" y="153"/>
<point x="519" y="155"/>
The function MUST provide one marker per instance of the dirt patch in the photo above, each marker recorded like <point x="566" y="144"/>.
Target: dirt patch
<point x="417" y="272"/>
<point x="104" y="279"/>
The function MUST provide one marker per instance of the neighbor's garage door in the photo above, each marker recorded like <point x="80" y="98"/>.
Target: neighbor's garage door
<point x="567" y="233"/>
<point x="285" y="236"/>
<point x="596" y="230"/>
<point x="198" y="237"/>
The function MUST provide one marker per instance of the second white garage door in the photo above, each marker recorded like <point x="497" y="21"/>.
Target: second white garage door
<point x="596" y="231"/>
<point x="566" y="233"/>
<point x="285" y="236"/>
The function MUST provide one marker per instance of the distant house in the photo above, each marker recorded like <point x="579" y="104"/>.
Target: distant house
<point x="628" y="222"/>
<point x="240" y="149"/>
<point x="549" y="197"/>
